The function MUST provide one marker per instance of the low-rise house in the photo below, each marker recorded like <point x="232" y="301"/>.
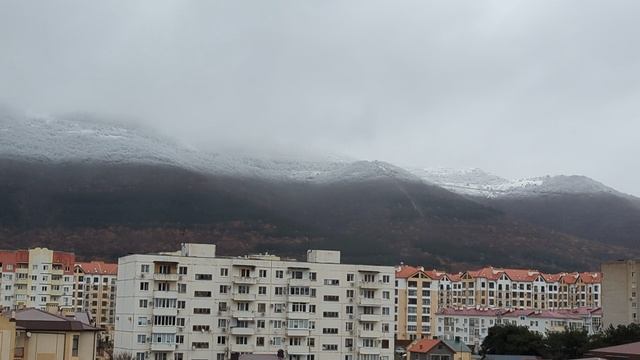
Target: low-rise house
<point x="472" y="325"/>
<point x="462" y="351"/>
<point x="37" y="334"/>
<point x="430" y="349"/>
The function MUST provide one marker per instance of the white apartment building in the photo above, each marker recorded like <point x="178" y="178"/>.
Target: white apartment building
<point x="192" y="304"/>
<point x="471" y="326"/>
<point x="94" y="292"/>
<point x="38" y="278"/>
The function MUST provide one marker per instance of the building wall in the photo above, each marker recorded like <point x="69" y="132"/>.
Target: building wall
<point x="56" y="345"/>
<point x="619" y="292"/>
<point x="7" y="338"/>
<point x="173" y="278"/>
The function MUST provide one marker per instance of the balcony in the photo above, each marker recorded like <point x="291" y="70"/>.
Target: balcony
<point x="239" y="314"/>
<point x="373" y="285"/>
<point x="370" y="333"/>
<point x="245" y="280"/>
<point x="297" y="315"/>
<point x="298" y="350"/>
<point x="298" y="298"/>
<point x="242" y="348"/>
<point x="369" y="301"/>
<point x="165" y="277"/>
<point x="369" y="317"/>
<point x="242" y="331"/>
<point x="165" y="294"/>
<point x="297" y="332"/>
<point x="243" y="297"/>
<point x="368" y="350"/>
<point x="164" y="329"/>
<point x="162" y="346"/>
<point x="165" y="311"/>
<point x="299" y="282"/>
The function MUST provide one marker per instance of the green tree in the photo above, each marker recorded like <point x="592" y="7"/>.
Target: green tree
<point x="512" y="340"/>
<point x="568" y="344"/>
<point x="621" y="334"/>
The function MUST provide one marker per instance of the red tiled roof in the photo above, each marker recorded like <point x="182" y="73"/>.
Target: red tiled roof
<point x="425" y="345"/>
<point x="626" y="349"/>
<point x="470" y="312"/>
<point x="98" y="268"/>
<point x="405" y="271"/>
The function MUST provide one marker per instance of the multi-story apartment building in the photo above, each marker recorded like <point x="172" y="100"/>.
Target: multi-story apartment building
<point x="471" y="325"/>
<point x="192" y="304"/>
<point x="620" y="292"/>
<point x="38" y="278"/>
<point x="420" y="294"/>
<point x="95" y="292"/>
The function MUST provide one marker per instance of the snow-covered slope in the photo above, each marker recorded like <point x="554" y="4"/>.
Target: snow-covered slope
<point x="477" y="182"/>
<point x="88" y="139"/>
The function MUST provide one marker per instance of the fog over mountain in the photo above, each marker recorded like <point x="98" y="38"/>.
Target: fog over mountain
<point x="516" y="88"/>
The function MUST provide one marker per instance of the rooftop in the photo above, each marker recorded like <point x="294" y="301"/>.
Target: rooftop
<point x="38" y="320"/>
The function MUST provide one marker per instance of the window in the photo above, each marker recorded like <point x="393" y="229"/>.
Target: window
<point x="330" y="314"/>
<point x="224" y="289"/>
<point x="143" y="303"/>
<point x="332" y="282"/>
<point x="222" y="306"/>
<point x="144" y="286"/>
<point x="140" y="356"/>
<point x="202" y="311"/>
<point x="222" y="323"/>
<point x="329" y="330"/>
<point x="142" y="338"/>
<point x="350" y="277"/>
<point x="331" y="298"/>
<point x="222" y="340"/>
<point x="204" y="277"/>
<point x="262" y="290"/>
<point x="201" y="328"/>
<point x="202" y="293"/>
<point x="329" y="347"/>
<point x="144" y="268"/>
<point x="74" y="345"/>
<point x="262" y="274"/>
<point x="260" y="341"/>
<point x="179" y="339"/>
<point x="142" y="320"/>
<point x="224" y="272"/>
<point x="242" y="340"/>
<point x="279" y="291"/>
<point x="200" y="345"/>
<point x="279" y="274"/>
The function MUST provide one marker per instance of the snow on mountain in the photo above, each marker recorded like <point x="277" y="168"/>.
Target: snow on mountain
<point x="476" y="182"/>
<point x="88" y="139"/>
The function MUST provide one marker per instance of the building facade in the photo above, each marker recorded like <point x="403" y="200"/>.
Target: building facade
<point x="39" y="278"/>
<point x="94" y="292"/>
<point x="620" y="292"/>
<point x="471" y="326"/>
<point x="421" y="293"/>
<point x="192" y="304"/>
<point x="37" y="334"/>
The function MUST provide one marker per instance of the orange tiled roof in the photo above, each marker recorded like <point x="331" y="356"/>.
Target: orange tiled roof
<point x="424" y="345"/>
<point x="405" y="271"/>
<point x="98" y="268"/>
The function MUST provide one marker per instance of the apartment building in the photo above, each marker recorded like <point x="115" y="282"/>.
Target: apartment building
<point x="420" y="294"/>
<point x="94" y="291"/>
<point x="192" y="304"/>
<point x="471" y="325"/>
<point x="620" y="292"/>
<point x="38" y="278"/>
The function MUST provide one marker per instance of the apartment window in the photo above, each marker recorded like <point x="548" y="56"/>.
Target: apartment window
<point x="200" y="345"/>
<point x="142" y="338"/>
<point x="144" y="303"/>
<point x="182" y="270"/>
<point x="140" y="356"/>
<point x="331" y="298"/>
<point x="260" y="341"/>
<point x="260" y="324"/>
<point x="262" y="290"/>
<point x="222" y="323"/>
<point x="202" y="311"/>
<point x="279" y="290"/>
<point x="245" y="273"/>
<point x="242" y="340"/>
<point x="178" y="356"/>
<point x="350" y="277"/>
<point x="332" y="282"/>
<point x="313" y="276"/>
<point x="142" y="320"/>
<point x="329" y="347"/>
<point x="329" y="330"/>
<point x="262" y="307"/>
<point x="74" y="345"/>
<point x="202" y="293"/>
<point x="350" y="293"/>
<point x="330" y="314"/>
<point x="222" y="306"/>
<point x="263" y="274"/>
<point x="201" y="328"/>
<point x="144" y="268"/>
<point x="222" y="340"/>
<point x="182" y="304"/>
<point x="204" y="277"/>
<point x="179" y="339"/>
<point x="279" y="274"/>
<point x="224" y="272"/>
<point x="144" y="286"/>
<point x="224" y="289"/>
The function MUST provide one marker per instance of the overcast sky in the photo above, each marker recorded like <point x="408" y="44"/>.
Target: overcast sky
<point x="516" y="88"/>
